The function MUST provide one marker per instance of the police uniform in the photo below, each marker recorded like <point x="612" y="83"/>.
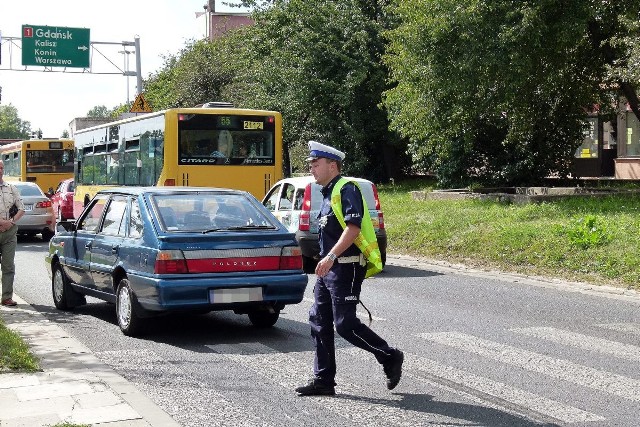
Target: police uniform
<point x="337" y="294"/>
<point x="9" y="195"/>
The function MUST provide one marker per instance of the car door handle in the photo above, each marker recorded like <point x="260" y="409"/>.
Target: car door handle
<point x="114" y="249"/>
<point x="87" y="246"/>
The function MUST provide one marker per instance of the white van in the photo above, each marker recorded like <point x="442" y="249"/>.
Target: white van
<point x="296" y="203"/>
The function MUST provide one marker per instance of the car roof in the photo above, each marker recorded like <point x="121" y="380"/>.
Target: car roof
<point x="301" y="181"/>
<point x="135" y="191"/>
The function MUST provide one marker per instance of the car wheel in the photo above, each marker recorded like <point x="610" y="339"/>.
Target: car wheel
<point x="47" y="234"/>
<point x="309" y="264"/>
<point x="127" y="310"/>
<point x="383" y="256"/>
<point x="264" y="318"/>
<point x="61" y="289"/>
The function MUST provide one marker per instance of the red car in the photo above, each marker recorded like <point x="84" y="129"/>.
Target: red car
<point x="62" y="200"/>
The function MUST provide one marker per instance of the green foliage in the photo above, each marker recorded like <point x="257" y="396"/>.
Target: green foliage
<point x="202" y="71"/>
<point x="99" y="112"/>
<point x="14" y="353"/>
<point x="319" y="63"/>
<point x="11" y="126"/>
<point x="495" y="91"/>
<point x="588" y="232"/>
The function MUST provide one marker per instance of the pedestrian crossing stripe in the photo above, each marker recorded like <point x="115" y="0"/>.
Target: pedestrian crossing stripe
<point x="618" y="385"/>
<point x="140" y="105"/>
<point x="585" y="342"/>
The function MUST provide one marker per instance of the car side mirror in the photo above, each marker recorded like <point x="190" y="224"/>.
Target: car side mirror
<point x="63" y="226"/>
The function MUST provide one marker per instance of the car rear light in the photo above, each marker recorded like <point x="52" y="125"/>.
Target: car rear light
<point x="45" y="204"/>
<point x="380" y="220"/>
<point x="291" y="258"/>
<point x="305" y="216"/>
<point x="375" y="196"/>
<point x="169" y="182"/>
<point x="170" y="262"/>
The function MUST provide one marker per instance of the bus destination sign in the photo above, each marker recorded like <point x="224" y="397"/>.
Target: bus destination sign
<point x="55" y="46"/>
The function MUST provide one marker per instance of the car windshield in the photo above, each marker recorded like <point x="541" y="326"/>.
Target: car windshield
<point x="208" y="212"/>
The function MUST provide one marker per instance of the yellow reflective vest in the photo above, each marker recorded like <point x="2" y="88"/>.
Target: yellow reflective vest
<point x="366" y="240"/>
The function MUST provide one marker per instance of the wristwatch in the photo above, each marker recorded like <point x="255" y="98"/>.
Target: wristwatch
<point x="332" y="256"/>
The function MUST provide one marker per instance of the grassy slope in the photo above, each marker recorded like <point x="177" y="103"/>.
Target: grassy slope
<point x="584" y="239"/>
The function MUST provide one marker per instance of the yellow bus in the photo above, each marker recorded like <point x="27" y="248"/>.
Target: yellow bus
<point x="43" y="161"/>
<point x="216" y="145"/>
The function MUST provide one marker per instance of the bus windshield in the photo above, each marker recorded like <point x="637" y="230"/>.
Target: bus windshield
<point x="49" y="161"/>
<point x="204" y="139"/>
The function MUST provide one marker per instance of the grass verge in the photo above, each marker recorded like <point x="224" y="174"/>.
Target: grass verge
<point x="586" y="239"/>
<point x="14" y="353"/>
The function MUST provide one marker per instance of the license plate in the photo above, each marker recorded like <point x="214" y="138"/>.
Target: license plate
<point x="231" y="295"/>
<point x="28" y="208"/>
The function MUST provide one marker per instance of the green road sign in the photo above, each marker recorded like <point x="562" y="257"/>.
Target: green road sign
<point x="55" y="46"/>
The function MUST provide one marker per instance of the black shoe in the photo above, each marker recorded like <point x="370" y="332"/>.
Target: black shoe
<point x="315" y="387"/>
<point x="393" y="370"/>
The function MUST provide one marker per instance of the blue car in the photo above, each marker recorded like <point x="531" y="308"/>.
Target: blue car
<point x="156" y="250"/>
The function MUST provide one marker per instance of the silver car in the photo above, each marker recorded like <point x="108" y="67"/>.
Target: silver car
<point x="38" y="216"/>
<point x="296" y="202"/>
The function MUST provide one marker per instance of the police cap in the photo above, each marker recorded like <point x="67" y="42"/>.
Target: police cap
<point x="318" y="150"/>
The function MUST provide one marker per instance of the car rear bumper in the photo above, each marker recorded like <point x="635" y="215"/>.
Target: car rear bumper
<point x="35" y="223"/>
<point x="308" y="243"/>
<point x="179" y="293"/>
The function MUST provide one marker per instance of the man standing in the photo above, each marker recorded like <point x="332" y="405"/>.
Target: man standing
<point x="8" y="237"/>
<point x="349" y="253"/>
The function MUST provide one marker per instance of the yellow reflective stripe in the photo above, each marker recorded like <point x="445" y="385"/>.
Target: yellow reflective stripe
<point x="366" y="240"/>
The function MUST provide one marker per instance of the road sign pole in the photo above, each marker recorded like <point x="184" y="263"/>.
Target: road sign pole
<point x="138" y="66"/>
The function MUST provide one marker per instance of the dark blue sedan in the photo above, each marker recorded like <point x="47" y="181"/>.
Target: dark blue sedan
<point x="153" y="250"/>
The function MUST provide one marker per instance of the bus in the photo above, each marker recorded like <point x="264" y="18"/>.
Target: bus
<point x="43" y="161"/>
<point x="216" y="145"/>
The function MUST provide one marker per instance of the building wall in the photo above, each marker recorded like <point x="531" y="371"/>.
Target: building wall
<point x="223" y="22"/>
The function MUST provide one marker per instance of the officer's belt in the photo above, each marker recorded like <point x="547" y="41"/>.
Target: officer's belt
<point x="352" y="259"/>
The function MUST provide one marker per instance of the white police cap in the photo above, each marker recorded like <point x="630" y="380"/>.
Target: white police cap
<point x="318" y="150"/>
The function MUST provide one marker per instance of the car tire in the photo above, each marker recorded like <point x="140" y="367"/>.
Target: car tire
<point x="127" y="310"/>
<point x="383" y="256"/>
<point x="47" y="235"/>
<point x="61" y="289"/>
<point x="264" y="318"/>
<point x="309" y="264"/>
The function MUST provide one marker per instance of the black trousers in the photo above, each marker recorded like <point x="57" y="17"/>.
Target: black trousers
<point x="336" y="297"/>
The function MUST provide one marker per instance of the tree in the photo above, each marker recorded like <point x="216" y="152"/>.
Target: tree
<point x="318" y="62"/>
<point x="199" y="73"/>
<point x="496" y="92"/>
<point x="99" y="112"/>
<point x="11" y="126"/>
<point x="65" y="134"/>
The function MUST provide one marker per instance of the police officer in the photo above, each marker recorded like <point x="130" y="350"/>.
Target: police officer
<point x="348" y="248"/>
<point x="8" y="235"/>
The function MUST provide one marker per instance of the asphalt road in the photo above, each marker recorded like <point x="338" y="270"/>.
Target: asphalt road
<point x="482" y="349"/>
